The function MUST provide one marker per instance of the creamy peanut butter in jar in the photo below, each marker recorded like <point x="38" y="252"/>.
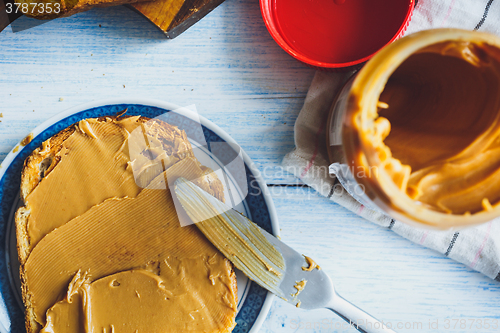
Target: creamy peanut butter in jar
<point x="418" y="129"/>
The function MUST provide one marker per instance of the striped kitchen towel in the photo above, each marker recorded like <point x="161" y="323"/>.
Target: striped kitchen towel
<point x="478" y="247"/>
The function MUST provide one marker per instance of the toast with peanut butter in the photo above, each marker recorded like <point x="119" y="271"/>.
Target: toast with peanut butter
<point x="101" y="246"/>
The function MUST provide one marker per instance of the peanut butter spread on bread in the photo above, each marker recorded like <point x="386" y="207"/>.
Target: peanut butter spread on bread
<point x="107" y="251"/>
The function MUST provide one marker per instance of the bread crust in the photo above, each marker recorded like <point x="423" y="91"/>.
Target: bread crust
<point x="30" y="177"/>
<point x="37" y="166"/>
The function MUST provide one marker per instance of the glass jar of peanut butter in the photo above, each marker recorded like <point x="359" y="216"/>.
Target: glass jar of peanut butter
<point x="418" y="129"/>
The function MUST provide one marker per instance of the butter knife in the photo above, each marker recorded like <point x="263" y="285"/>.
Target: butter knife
<point x="267" y="260"/>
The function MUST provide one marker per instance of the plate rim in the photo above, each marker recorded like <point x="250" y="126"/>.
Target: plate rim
<point x="9" y="158"/>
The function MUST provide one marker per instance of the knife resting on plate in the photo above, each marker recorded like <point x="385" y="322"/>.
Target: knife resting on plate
<point x="268" y="261"/>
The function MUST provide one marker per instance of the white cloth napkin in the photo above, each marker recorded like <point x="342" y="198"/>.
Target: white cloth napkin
<point x="478" y="247"/>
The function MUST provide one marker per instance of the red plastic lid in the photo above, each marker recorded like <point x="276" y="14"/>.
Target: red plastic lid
<point x="335" y="33"/>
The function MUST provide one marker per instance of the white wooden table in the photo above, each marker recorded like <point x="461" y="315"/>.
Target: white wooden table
<point x="238" y="77"/>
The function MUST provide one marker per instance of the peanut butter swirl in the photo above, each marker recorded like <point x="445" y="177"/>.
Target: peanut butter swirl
<point x="421" y="131"/>
<point x="444" y="120"/>
<point x="143" y="301"/>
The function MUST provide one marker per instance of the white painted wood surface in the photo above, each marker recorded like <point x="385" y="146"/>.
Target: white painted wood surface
<point x="231" y="69"/>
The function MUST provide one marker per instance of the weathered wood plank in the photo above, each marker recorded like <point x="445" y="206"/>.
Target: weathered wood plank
<point x="240" y="78"/>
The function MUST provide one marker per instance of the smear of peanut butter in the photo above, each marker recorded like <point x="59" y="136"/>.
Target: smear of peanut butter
<point x="27" y="139"/>
<point x="438" y="134"/>
<point x="67" y="316"/>
<point x="300" y="285"/>
<point x="311" y="264"/>
<point x="128" y="233"/>
<point x="90" y="169"/>
<point x="106" y="252"/>
<point x="143" y="301"/>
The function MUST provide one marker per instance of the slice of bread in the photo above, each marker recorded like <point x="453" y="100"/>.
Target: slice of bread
<point x="44" y="160"/>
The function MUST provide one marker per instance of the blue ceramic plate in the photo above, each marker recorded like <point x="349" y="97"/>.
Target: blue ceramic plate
<point x="253" y="301"/>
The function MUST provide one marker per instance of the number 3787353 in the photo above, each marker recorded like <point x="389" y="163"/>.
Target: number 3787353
<point x="33" y="8"/>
